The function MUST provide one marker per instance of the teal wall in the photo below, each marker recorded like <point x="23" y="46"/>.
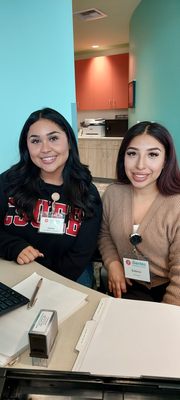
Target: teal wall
<point x="155" y="64"/>
<point x="36" y="66"/>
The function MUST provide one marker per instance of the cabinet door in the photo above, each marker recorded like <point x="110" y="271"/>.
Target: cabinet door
<point x="111" y="157"/>
<point x="83" y="151"/>
<point x="84" y="81"/>
<point x="93" y="83"/>
<point x="102" y="83"/>
<point x="120" y="73"/>
<point x="98" y="159"/>
<point x="93" y="153"/>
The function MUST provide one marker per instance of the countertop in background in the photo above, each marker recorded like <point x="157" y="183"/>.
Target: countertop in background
<point x="99" y="137"/>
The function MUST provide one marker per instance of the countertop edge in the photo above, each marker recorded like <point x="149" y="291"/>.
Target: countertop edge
<point x="100" y="138"/>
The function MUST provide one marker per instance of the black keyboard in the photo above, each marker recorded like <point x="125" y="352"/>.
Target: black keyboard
<point x="10" y="299"/>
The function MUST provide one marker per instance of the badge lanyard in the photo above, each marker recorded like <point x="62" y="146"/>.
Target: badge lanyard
<point x="52" y="222"/>
<point x="136" y="268"/>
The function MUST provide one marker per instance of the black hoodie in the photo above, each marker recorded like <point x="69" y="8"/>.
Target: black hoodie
<point x="67" y="254"/>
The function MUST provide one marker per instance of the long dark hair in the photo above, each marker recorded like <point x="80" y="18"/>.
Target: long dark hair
<point x="24" y="183"/>
<point x="168" y="182"/>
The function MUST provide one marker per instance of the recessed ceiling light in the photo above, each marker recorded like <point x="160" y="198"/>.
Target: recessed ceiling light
<point x="95" y="46"/>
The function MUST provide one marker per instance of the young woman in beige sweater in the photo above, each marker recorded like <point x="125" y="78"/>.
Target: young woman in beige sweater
<point x="140" y="233"/>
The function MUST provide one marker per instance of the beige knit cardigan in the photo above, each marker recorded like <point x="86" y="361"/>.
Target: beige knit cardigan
<point x="160" y="231"/>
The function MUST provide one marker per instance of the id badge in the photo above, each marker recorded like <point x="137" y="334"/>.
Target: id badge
<point x="137" y="269"/>
<point x="51" y="223"/>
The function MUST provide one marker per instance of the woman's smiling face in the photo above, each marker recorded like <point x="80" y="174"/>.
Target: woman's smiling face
<point x="144" y="161"/>
<point x="48" y="149"/>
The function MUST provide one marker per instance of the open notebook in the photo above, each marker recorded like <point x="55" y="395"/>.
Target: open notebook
<point x="14" y="326"/>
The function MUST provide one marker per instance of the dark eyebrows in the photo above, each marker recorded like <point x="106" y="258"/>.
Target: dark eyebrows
<point x="33" y="135"/>
<point x="150" y="149"/>
<point x="54" y="132"/>
<point x="154" y="149"/>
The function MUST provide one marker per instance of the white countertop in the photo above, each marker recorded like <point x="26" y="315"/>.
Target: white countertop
<point x="100" y="137"/>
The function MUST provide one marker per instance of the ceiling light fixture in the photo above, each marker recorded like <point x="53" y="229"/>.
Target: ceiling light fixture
<point x="95" y="46"/>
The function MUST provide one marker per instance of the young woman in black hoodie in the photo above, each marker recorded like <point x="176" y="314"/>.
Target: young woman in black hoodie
<point x="49" y="209"/>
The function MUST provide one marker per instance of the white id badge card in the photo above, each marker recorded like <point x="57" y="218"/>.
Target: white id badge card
<point x="136" y="269"/>
<point x="52" y="224"/>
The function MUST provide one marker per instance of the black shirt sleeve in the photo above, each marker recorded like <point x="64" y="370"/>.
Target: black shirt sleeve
<point x="10" y="245"/>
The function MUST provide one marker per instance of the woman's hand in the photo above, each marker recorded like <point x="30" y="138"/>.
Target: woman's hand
<point x="116" y="279"/>
<point x="28" y="255"/>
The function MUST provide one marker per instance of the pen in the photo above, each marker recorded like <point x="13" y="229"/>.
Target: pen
<point x="34" y="295"/>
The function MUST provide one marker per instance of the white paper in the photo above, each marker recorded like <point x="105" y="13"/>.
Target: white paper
<point x="133" y="338"/>
<point x="15" y="325"/>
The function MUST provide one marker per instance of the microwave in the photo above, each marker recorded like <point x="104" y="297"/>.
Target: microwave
<point x="116" y="127"/>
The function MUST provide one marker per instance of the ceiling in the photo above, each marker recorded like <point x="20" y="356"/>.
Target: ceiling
<point x="110" y="33"/>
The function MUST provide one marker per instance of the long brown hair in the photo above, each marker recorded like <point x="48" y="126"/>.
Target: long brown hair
<point x="168" y="182"/>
